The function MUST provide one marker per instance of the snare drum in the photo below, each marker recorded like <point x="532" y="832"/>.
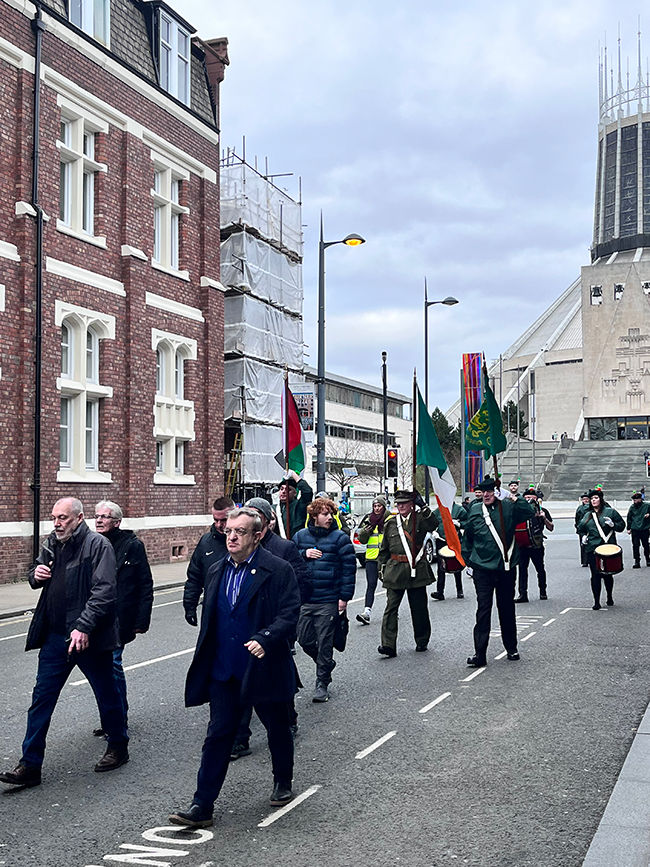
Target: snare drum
<point x="609" y="559"/>
<point x="528" y="534"/>
<point x="449" y="560"/>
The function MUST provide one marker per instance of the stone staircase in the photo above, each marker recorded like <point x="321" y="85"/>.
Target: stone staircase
<point x="617" y="465"/>
<point x="518" y="462"/>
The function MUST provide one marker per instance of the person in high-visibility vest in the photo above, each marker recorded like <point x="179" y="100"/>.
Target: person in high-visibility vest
<point x="371" y="532"/>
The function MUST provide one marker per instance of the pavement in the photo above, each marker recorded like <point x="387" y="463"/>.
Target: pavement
<point x="623" y="835"/>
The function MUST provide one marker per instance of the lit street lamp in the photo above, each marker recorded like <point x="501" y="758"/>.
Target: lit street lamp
<point x="449" y="301"/>
<point x="350" y="241"/>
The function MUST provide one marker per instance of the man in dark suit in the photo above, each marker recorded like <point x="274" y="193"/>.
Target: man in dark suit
<point x="243" y="657"/>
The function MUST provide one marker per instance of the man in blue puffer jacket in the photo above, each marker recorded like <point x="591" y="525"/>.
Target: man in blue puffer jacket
<point x="333" y="566"/>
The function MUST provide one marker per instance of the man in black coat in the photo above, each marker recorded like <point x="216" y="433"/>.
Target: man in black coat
<point x="211" y="549"/>
<point x="74" y="624"/>
<point x="134" y="586"/>
<point x="243" y="657"/>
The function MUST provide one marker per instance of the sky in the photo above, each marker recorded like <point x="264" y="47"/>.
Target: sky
<point x="459" y="139"/>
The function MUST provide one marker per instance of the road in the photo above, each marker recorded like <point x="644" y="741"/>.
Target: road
<point x="415" y="760"/>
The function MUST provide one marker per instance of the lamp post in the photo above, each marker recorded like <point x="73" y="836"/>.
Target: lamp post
<point x="350" y="241"/>
<point x="448" y="302"/>
<point x="384" y="385"/>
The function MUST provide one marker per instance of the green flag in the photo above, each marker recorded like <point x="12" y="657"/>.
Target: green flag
<point x="485" y="430"/>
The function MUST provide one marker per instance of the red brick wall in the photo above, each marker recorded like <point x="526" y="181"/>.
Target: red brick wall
<point x="124" y="214"/>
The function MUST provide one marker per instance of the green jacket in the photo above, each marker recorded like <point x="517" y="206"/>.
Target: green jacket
<point x="458" y="513"/>
<point x="588" y="527"/>
<point x="581" y="511"/>
<point x="396" y="575"/>
<point x="638" y="517"/>
<point x="479" y="546"/>
<point x="297" y="510"/>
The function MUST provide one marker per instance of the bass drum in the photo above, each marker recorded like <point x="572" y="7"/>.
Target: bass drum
<point x="609" y="559"/>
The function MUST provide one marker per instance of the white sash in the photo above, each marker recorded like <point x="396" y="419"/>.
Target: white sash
<point x="604" y="537"/>
<point x="497" y="539"/>
<point x="281" y="527"/>
<point x="407" y="547"/>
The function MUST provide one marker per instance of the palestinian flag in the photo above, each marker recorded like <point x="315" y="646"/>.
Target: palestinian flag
<point x="429" y="454"/>
<point x="293" y="436"/>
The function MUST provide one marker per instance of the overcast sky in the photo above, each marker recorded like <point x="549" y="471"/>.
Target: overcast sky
<point x="458" y="138"/>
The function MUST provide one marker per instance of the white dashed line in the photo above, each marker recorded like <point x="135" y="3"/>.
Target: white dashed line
<point x="143" y="664"/>
<point x="526" y="637"/>
<point x="548" y="622"/>
<point x="363" y="598"/>
<point x="473" y="675"/>
<point x="20" y="635"/>
<point x="434" y="702"/>
<point x="374" y="746"/>
<point x="162" y="604"/>
<point x="501" y="655"/>
<point x="290" y="806"/>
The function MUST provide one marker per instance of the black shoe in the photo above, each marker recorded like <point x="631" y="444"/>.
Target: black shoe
<point x="239" y="750"/>
<point x="321" y="693"/>
<point x="195" y="817"/>
<point x="543" y="596"/>
<point x="610" y="601"/>
<point x="294" y="730"/>
<point x="281" y="795"/>
<point x="476" y="662"/>
<point x="647" y="561"/>
<point x="22" y="776"/>
<point x="387" y="651"/>
<point x="460" y="596"/>
<point x="99" y="733"/>
<point x="584" y="565"/>
<point x="421" y="648"/>
<point x="637" y="565"/>
<point x="364" y="618"/>
<point x="596" y="607"/>
<point x="112" y="759"/>
<point x="521" y="598"/>
<point x="514" y="656"/>
<point x="437" y="595"/>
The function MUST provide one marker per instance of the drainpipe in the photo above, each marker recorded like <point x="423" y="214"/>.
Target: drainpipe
<point x="38" y="27"/>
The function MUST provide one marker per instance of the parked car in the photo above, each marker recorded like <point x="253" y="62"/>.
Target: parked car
<point x="359" y="549"/>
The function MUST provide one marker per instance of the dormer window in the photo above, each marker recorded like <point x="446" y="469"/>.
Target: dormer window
<point x="174" y="58"/>
<point x="92" y="16"/>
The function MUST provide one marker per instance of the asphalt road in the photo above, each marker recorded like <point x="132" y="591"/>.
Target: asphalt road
<point x="508" y="767"/>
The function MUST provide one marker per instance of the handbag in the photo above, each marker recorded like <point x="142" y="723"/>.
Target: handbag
<point x="341" y="629"/>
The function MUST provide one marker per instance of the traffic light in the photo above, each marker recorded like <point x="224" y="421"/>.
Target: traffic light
<point x="647" y="468"/>
<point x="391" y="463"/>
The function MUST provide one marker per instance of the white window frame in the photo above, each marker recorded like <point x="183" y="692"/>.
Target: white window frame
<point x="167" y="214"/>
<point x="83" y="14"/>
<point x="173" y="415"/>
<point x="77" y="176"/>
<point x="81" y="390"/>
<point x="175" y="66"/>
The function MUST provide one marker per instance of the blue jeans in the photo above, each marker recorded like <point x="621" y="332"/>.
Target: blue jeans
<point x="54" y="668"/>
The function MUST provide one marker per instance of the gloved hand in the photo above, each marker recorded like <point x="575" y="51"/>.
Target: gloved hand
<point x="469" y="572"/>
<point x="608" y="522"/>
<point x="418" y="499"/>
<point x="584" y="539"/>
<point x="456" y="522"/>
<point x="190" y="616"/>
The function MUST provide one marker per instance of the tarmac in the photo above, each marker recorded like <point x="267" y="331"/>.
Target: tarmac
<point x="623" y="835"/>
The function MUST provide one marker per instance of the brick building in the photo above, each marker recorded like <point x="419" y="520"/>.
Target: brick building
<point x="109" y="270"/>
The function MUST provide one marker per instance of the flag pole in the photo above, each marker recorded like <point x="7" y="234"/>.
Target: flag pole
<point x="287" y="522"/>
<point x="502" y="527"/>
<point x="414" y="468"/>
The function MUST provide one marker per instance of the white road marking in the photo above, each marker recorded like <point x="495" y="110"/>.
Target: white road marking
<point x="290" y="806"/>
<point x="530" y="635"/>
<point x="374" y="746"/>
<point x="20" y="635"/>
<point x="501" y="655"/>
<point x="363" y="598"/>
<point x="20" y="619"/>
<point x="143" y="664"/>
<point x="162" y="604"/>
<point x="574" y="609"/>
<point x="473" y="674"/>
<point x="548" y="622"/>
<point x="434" y="702"/>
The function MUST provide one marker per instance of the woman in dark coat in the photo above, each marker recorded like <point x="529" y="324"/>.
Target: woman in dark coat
<point x="330" y="557"/>
<point x="597" y="527"/>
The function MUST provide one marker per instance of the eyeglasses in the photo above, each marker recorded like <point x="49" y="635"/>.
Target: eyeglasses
<point x="238" y="531"/>
<point x="105" y="518"/>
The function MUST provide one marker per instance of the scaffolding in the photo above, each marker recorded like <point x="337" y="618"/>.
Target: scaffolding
<point x="261" y="268"/>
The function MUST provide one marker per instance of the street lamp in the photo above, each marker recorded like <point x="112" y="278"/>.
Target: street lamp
<point x="449" y="301"/>
<point x="384" y="388"/>
<point x="350" y="241"/>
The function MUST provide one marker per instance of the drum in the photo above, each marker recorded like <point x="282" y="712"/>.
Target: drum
<point x="609" y="559"/>
<point x="448" y="560"/>
<point x="528" y="534"/>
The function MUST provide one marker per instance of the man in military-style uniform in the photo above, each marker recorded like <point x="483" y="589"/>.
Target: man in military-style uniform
<point x="638" y="525"/>
<point x="402" y="574"/>
<point x="493" y="566"/>
<point x="581" y="511"/>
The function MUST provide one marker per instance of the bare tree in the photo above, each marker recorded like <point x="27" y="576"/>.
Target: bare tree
<point x="344" y="453"/>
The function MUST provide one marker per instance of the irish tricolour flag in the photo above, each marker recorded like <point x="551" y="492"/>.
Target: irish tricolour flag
<point x="293" y="436"/>
<point x="429" y="454"/>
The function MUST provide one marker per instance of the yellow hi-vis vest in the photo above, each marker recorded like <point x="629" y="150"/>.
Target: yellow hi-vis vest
<point x="372" y="545"/>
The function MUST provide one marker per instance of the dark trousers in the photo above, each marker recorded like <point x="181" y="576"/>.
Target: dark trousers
<point x="597" y="579"/>
<point x="583" y="554"/>
<point x="372" y="576"/>
<point x="316" y="636"/>
<point x="244" y="728"/>
<point x="640" y="537"/>
<point x="487" y="584"/>
<point x="442" y="575"/>
<point x="120" y="680"/>
<point x="54" y="667"/>
<point x="226" y="709"/>
<point x="536" y="555"/>
<point x="419" y="605"/>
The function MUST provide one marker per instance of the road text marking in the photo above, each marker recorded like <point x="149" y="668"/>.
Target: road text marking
<point x="374" y="746"/>
<point x="433" y="703"/>
<point x="142" y="664"/>
<point x="290" y="806"/>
